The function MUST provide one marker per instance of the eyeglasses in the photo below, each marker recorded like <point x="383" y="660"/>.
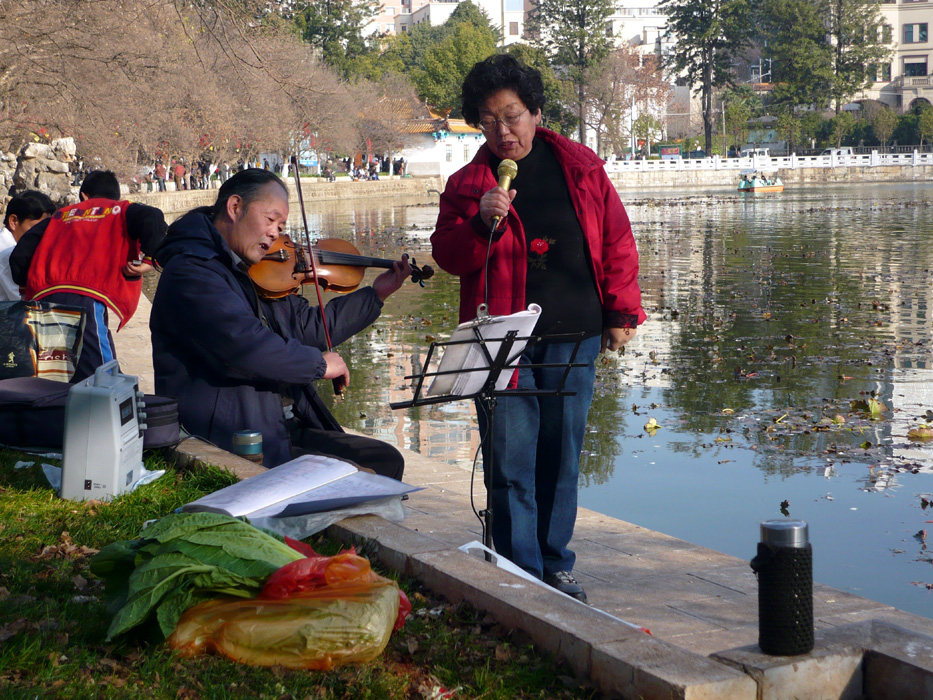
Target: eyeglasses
<point x="489" y="123"/>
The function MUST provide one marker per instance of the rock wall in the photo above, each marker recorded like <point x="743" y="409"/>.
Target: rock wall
<point x="40" y="166"/>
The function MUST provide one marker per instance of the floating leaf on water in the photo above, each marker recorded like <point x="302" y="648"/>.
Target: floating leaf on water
<point x="727" y="411"/>
<point x="785" y="506"/>
<point x="873" y="407"/>
<point x="651" y="427"/>
<point x="865" y="445"/>
<point x="923" y="432"/>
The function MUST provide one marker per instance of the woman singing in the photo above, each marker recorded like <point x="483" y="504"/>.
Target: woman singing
<point x="563" y="241"/>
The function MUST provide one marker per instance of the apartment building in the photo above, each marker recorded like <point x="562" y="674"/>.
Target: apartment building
<point x="905" y="79"/>
<point x="399" y="16"/>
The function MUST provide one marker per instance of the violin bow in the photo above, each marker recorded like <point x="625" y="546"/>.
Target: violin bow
<point x="338" y="383"/>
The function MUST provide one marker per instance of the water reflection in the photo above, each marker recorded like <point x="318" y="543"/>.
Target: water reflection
<point x="775" y="325"/>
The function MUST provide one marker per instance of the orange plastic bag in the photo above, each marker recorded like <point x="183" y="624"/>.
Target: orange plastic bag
<point x="315" y="613"/>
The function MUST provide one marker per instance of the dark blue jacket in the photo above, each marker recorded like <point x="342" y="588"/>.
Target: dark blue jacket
<point x="230" y="357"/>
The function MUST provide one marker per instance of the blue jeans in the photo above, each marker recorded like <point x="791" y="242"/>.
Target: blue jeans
<point x="536" y="459"/>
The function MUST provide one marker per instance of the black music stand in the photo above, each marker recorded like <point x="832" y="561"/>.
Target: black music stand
<point x="505" y="359"/>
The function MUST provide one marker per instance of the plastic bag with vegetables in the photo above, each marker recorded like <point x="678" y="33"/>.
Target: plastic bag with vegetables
<point x="225" y="586"/>
<point x="315" y="613"/>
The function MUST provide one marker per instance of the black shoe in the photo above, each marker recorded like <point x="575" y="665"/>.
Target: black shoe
<point x="566" y="583"/>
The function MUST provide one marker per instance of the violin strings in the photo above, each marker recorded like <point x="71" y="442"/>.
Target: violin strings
<point x="331" y="257"/>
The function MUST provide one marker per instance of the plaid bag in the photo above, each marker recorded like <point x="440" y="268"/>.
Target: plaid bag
<point x="39" y="339"/>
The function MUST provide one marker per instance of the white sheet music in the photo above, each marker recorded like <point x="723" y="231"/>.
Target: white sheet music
<point x="468" y="360"/>
<point x="308" y="484"/>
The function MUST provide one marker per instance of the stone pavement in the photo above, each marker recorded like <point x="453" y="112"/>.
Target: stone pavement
<point x="699" y="605"/>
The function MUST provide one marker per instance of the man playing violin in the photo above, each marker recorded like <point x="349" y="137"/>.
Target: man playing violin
<point x="235" y="360"/>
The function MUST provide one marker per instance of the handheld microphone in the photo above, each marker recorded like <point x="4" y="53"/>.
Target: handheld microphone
<point x="508" y="171"/>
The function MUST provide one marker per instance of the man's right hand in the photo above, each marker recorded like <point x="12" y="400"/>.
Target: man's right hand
<point x="336" y="368"/>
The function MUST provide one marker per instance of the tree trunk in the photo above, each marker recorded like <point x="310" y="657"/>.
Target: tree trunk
<point x="582" y="106"/>
<point x="708" y="107"/>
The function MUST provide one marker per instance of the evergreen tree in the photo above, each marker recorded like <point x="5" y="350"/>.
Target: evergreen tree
<point x="883" y="124"/>
<point x="446" y="65"/>
<point x="856" y="34"/>
<point x="709" y="34"/>
<point x="334" y="27"/>
<point x="574" y="37"/>
<point x="801" y="58"/>
<point x="437" y="58"/>
<point x="823" y="51"/>
<point x="925" y="125"/>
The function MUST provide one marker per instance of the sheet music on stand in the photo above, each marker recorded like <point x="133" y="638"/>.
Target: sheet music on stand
<point x="461" y="371"/>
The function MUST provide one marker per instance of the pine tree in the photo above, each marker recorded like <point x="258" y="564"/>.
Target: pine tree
<point x="708" y="36"/>
<point x="574" y="37"/>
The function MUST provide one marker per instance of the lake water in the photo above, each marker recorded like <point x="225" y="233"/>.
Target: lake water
<point x="786" y="355"/>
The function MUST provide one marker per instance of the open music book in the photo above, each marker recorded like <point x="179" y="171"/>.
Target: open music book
<point x="469" y="361"/>
<point x="308" y="484"/>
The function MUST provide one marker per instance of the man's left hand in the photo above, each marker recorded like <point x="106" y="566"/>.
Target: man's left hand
<point x="134" y="269"/>
<point x="615" y="338"/>
<point x="391" y="281"/>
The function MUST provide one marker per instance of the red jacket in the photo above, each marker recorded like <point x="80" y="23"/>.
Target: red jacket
<point x="83" y="251"/>
<point x="460" y="243"/>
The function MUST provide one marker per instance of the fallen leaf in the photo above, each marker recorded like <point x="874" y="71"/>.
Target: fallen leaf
<point x="652" y="426"/>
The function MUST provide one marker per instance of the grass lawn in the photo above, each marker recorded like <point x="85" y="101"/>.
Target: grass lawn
<point x="53" y="620"/>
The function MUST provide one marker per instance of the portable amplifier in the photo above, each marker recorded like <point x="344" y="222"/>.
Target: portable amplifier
<point x="103" y="445"/>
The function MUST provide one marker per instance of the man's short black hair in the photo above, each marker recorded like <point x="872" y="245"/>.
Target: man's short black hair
<point x="100" y="184"/>
<point x="29" y="204"/>
<point x="247" y="185"/>
<point x="500" y="72"/>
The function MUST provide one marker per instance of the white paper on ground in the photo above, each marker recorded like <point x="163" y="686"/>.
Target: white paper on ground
<point x="54" y="476"/>
<point x="507" y="565"/>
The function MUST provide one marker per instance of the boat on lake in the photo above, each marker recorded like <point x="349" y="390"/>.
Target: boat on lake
<point x="760" y="180"/>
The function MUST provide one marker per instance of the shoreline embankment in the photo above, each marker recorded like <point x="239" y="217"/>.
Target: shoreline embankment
<point x="312" y="189"/>
<point x="317" y="190"/>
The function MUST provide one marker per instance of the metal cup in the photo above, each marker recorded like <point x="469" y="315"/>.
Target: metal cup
<point x="248" y="444"/>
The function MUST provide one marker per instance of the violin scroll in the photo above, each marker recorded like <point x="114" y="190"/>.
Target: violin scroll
<point x="420" y="274"/>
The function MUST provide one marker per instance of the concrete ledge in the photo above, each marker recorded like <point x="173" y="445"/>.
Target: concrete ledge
<point x="898" y="664"/>
<point x="651" y="669"/>
<point x="197" y="452"/>
<point x="872" y="659"/>
<point x="391" y="544"/>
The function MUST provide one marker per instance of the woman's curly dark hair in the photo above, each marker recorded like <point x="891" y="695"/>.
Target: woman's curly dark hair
<point x="500" y="72"/>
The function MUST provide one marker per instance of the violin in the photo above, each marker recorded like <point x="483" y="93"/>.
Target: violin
<point x="338" y="264"/>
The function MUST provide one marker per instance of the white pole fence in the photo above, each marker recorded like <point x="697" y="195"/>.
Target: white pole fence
<point x="791" y="162"/>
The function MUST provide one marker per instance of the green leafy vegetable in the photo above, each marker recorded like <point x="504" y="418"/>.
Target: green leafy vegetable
<point x="183" y="559"/>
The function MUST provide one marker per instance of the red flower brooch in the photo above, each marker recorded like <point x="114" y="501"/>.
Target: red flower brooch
<point x="537" y="259"/>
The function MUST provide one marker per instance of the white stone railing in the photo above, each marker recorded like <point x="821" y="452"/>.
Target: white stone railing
<point x="791" y="162"/>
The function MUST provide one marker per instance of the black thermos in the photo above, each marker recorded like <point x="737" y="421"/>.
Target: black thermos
<point x="784" y="567"/>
